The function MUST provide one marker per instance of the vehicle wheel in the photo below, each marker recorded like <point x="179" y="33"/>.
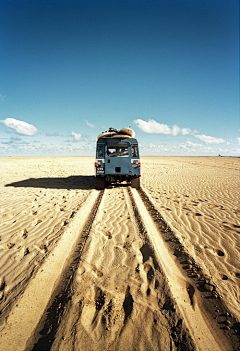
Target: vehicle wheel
<point x="135" y="183"/>
<point x="100" y="183"/>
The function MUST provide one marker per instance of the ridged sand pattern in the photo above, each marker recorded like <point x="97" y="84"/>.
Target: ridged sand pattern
<point x="119" y="269"/>
<point x="116" y="287"/>
<point x="200" y="199"/>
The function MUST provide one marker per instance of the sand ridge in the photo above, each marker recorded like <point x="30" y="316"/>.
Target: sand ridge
<point x="116" y="287"/>
<point x="118" y="283"/>
<point x="32" y="219"/>
<point x="200" y="199"/>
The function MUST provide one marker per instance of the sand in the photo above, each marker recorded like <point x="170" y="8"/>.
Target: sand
<point x="155" y="269"/>
<point x="200" y="200"/>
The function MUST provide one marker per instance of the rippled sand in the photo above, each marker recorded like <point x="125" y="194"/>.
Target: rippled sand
<point x="198" y="197"/>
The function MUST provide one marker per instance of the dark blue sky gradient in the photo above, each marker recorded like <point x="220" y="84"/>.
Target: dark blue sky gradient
<point x="64" y="62"/>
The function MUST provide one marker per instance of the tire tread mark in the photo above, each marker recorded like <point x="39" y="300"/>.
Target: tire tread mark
<point x="211" y="300"/>
<point x="180" y="336"/>
<point x="55" y="311"/>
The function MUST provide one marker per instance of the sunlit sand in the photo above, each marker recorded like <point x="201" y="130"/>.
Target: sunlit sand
<point x="44" y="205"/>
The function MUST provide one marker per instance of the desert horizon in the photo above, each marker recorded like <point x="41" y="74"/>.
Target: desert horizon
<point x="120" y="269"/>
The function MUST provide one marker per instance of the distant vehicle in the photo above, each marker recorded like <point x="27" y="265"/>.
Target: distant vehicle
<point x="117" y="158"/>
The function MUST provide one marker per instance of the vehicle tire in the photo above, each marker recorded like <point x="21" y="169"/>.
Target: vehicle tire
<point x="135" y="183"/>
<point x="100" y="183"/>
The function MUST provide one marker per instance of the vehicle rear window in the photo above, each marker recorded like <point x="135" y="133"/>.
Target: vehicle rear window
<point x="134" y="151"/>
<point x="100" y="151"/>
<point x="117" y="150"/>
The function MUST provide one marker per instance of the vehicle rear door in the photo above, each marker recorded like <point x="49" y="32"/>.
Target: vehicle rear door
<point x="118" y="160"/>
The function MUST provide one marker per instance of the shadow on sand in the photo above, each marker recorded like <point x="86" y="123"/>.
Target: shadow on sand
<point x="73" y="182"/>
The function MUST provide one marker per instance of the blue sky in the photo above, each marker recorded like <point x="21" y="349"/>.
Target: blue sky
<point x="71" y="69"/>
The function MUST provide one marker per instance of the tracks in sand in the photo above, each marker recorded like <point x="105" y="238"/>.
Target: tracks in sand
<point x="119" y="280"/>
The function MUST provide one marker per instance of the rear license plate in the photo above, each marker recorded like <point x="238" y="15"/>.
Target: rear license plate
<point x="100" y="170"/>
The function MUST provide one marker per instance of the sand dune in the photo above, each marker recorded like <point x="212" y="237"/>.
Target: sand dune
<point x="120" y="295"/>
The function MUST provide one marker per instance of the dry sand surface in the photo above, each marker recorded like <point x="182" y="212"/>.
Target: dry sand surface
<point x="120" y="269"/>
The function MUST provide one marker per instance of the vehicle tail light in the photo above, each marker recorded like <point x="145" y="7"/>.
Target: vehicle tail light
<point x="96" y="164"/>
<point x="139" y="164"/>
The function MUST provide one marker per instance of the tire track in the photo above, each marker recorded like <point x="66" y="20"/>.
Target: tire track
<point x="121" y="289"/>
<point x="36" y="225"/>
<point x="30" y="306"/>
<point x="205" y="314"/>
<point x="52" y="318"/>
<point x="209" y="298"/>
<point x="116" y="285"/>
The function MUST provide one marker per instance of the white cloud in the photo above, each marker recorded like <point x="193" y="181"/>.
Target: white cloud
<point x="176" y="130"/>
<point x="153" y="127"/>
<point x="207" y="139"/>
<point x="187" y="131"/>
<point x="201" y="149"/>
<point x="238" y="139"/>
<point x="76" y="137"/>
<point x="13" y="141"/>
<point x="20" y="127"/>
<point x="91" y="125"/>
<point x="156" y="147"/>
<point x="191" y="144"/>
<point x="17" y="146"/>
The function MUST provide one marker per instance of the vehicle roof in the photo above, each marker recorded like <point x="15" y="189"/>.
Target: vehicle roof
<point x="117" y="140"/>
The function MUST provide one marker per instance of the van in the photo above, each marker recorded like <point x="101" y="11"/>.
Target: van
<point x="117" y="160"/>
